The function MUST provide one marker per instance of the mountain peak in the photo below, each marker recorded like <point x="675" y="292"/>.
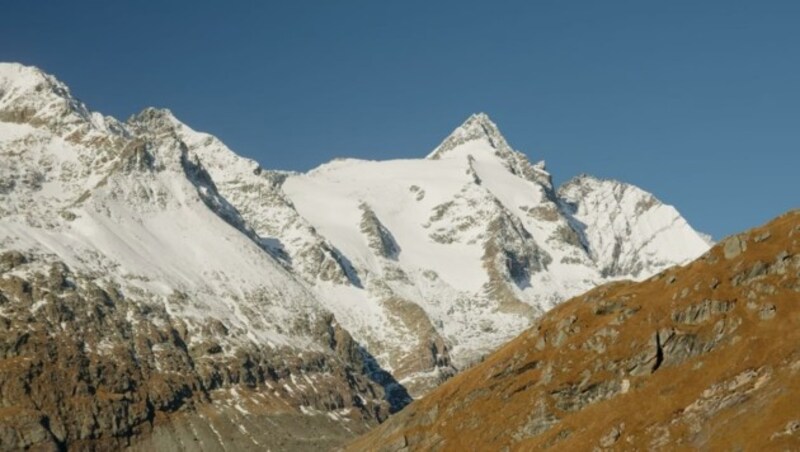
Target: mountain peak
<point x="28" y="85"/>
<point x="19" y="75"/>
<point x="481" y="120"/>
<point x="481" y="130"/>
<point x="155" y="119"/>
<point x="29" y="95"/>
<point x="477" y="127"/>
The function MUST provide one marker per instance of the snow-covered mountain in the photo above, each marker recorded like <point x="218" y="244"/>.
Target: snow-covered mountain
<point x="131" y="290"/>
<point x="316" y="290"/>
<point x="478" y="238"/>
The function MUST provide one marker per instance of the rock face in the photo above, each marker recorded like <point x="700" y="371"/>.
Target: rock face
<point x="158" y="290"/>
<point x="84" y="365"/>
<point x="704" y="356"/>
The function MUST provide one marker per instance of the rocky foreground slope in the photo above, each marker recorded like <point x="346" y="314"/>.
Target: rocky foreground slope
<point x="704" y="356"/>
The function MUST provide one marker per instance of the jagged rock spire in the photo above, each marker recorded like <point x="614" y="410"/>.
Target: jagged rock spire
<point x="480" y="127"/>
<point x="477" y="127"/>
<point x="152" y="119"/>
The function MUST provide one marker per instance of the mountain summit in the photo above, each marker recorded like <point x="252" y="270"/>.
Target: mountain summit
<point x="28" y="95"/>
<point x="157" y="287"/>
<point x="477" y="127"/>
<point x="478" y="138"/>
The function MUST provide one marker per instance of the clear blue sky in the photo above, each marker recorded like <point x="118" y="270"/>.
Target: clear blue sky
<point x="696" y="101"/>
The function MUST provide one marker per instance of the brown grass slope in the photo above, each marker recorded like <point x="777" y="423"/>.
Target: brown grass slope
<point x="704" y="356"/>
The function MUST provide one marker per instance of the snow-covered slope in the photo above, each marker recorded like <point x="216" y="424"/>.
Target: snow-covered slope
<point x="629" y="232"/>
<point x="428" y="263"/>
<point x="481" y="240"/>
<point x="125" y="273"/>
<point x="149" y="214"/>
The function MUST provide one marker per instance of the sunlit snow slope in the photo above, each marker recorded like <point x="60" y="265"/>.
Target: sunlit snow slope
<point x="480" y="239"/>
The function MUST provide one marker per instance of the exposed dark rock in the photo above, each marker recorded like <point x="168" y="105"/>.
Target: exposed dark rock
<point x="84" y="366"/>
<point x="380" y="239"/>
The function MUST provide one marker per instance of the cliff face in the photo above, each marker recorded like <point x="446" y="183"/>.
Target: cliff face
<point x="701" y="356"/>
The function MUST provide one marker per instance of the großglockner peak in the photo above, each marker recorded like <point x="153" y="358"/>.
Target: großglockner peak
<point x="477" y="127"/>
<point x="320" y="296"/>
<point x="479" y="135"/>
<point x="478" y="225"/>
